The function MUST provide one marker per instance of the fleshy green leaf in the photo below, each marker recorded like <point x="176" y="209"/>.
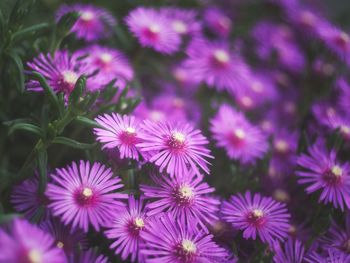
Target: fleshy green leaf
<point x="78" y="90"/>
<point x="28" y="31"/>
<point x="42" y="165"/>
<point x="17" y="64"/>
<point x="87" y="122"/>
<point x="73" y="143"/>
<point x="27" y="127"/>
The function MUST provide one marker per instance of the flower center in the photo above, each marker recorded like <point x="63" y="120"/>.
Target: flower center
<point x="246" y="101"/>
<point x="70" y="78"/>
<point x="106" y="58"/>
<point x="257" y="87"/>
<point x="60" y="244"/>
<point x="34" y="256"/>
<point x="256" y="217"/>
<point x="281" y="146"/>
<point x="85" y="197"/>
<point x="184" y="195"/>
<point x="128" y="136"/>
<point x="135" y="226"/>
<point x="221" y="56"/>
<point x="343" y="40"/>
<point x="307" y="18"/>
<point x="333" y="176"/>
<point x="157" y="115"/>
<point x="177" y="140"/>
<point x="337" y="171"/>
<point x="345" y="130"/>
<point x="152" y="32"/>
<point x="237" y="137"/>
<point x="179" y="27"/>
<point x="186" y="251"/>
<point x="87" y="16"/>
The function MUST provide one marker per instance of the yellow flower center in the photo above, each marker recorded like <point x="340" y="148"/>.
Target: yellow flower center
<point x="281" y="145"/>
<point x="34" y="256"/>
<point x="60" y="244"/>
<point x="186" y="191"/>
<point x="188" y="246"/>
<point x="337" y="171"/>
<point x="258" y="213"/>
<point x="139" y="222"/>
<point x="178" y="137"/>
<point x="87" y="192"/>
<point x="70" y="77"/>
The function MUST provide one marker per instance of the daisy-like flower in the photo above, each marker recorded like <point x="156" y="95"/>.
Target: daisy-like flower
<point x="257" y="215"/>
<point x="84" y="194"/>
<point x="126" y="230"/>
<point x="93" y="24"/>
<point x="153" y="29"/>
<point x="70" y="240"/>
<point x="291" y="252"/>
<point x="185" y="196"/>
<point x="24" y="242"/>
<point x="26" y="199"/>
<point x="218" y="22"/>
<point x="216" y="65"/>
<point x="61" y="71"/>
<point x="111" y="64"/>
<point x="169" y="240"/>
<point x="237" y="135"/>
<point x="332" y="256"/>
<point x="322" y="171"/>
<point x="175" y="147"/>
<point x="183" y="21"/>
<point x="119" y="131"/>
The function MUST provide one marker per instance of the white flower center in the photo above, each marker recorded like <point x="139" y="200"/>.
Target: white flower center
<point x="178" y="137"/>
<point x="239" y="133"/>
<point x="179" y="27"/>
<point x="337" y="171"/>
<point x="106" y="57"/>
<point x="188" y="246"/>
<point x="60" y="244"/>
<point x="70" y="77"/>
<point x="139" y="222"/>
<point x="34" y="256"/>
<point x="87" y="16"/>
<point x="258" y="213"/>
<point x="130" y="130"/>
<point x="154" y="28"/>
<point x="281" y="145"/>
<point x="257" y="87"/>
<point x="186" y="191"/>
<point x="87" y="192"/>
<point x="221" y="56"/>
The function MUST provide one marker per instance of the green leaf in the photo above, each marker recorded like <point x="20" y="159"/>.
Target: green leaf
<point x="19" y="11"/>
<point x="48" y="90"/>
<point x="78" y="90"/>
<point x="28" y="31"/>
<point x="2" y="28"/>
<point x="87" y="122"/>
<point x="73" y="143"/>
<point x="17" y="63"/>
<point x="65" y="24"/>
<point x="27" y="127"/>
<point x="42" y="165"/>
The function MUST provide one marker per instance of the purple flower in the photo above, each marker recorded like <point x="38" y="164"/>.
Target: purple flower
<point x="110" y="63"/>
<point x="93" y="24"/>
<point x="257" y="215"/>
<point x="292" y="252"/>
<point x="24" y="242"/>
<point x="175" y="147"/>
<point x="218" y="22"/>
<point x="168" y="240"/>
<point x="84" y="194"/>
<point x="333" y="256"/>
<point x="185" y="196"/>
<point x="322" y="171"/>
<point x="61" y="71"/>
<point x="216" y="65"/>
<point x="26" y="199"/>
<point x="337" y="238"/>
<point x="89" y="256"/>
<point x="237" y="135"/>
<point x="126" y="230"/>
<point x="119" y="131"/>
<point x="70" y="240"/>
<point x="153" y="29"/>
<point x="183" y="21"/>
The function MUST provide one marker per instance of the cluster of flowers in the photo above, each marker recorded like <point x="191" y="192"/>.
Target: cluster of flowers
<point x="177" y="217"/>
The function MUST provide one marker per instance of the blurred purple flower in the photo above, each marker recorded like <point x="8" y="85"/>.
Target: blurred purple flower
<point x="119" y="131"/>
<point x="322" y="171"/>
<point x="175" y="147"/>
<point x="88" y="256"/>
<point x="257" y="215"/>
<point x="168" y="240"/>
<point x="185" y="196"/>
<point x="93" y="24"/>
<point x="292" y="252"/>
<point x="153" y="29"/>
<point x="24" y="242"/>
<point x="218" y="22"/>
<point x="84" y="194"/>
<point x="237" y="135"/>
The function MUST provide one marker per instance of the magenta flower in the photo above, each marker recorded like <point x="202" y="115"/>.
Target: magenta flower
<point x="175" y="147"/>
<point x="84" y="194"/>
<point x="67" y="239"/>
<point x="24" y="242"/>
<point x="185" y="196"/>
<point x="153" y="29"/>
<point x="218" y="22"/>
<point x="172" y="241"/>
<point x="111" y="65"/>
<point x="237" y="135"/>
<point x="93" y="24"/>
<point x="126" y="230"/>
<point x="257" y="215"/>
<point x="121" y="132"/>
<point x="332" y="256"/>
<point x="61" y="71"/>
<point x="322" y="171"/>
<point x="291" y="252"/>
<point x="26" y="199"/>
<point x="216" y="65"/>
